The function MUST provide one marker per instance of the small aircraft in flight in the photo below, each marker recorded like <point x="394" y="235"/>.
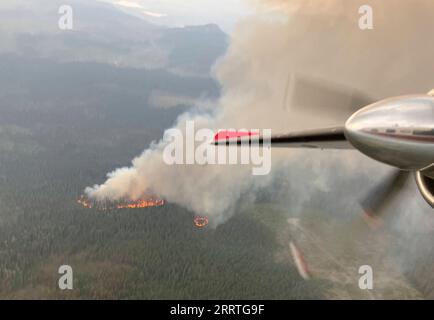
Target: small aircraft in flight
<point x="397" y="131"/>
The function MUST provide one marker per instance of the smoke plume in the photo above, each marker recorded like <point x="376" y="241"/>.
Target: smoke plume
<point x="263" y="78"/>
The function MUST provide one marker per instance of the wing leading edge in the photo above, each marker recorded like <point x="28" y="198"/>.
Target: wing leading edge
<point x="329" y="138"/>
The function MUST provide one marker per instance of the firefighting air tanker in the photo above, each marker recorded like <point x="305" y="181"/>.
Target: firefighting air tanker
<point x="397" y="131"/>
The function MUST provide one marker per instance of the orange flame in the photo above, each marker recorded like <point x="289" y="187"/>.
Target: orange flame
<point x="141" y="204"/>
<point x="201" y="222"/>
<point x="103" y="206"/>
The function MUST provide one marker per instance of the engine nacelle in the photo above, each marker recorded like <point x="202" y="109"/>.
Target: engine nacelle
<point x="426" y="187"/>
<point x="397" y="131"/>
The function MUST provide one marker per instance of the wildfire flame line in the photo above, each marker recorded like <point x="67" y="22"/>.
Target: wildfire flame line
<point x="103" y="206"/>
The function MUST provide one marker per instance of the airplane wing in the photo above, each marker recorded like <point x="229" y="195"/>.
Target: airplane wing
<point x="329" y="138"/>
<point x="303" y="95"/>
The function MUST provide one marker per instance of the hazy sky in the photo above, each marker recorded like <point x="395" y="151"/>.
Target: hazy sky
<point x="225" y="13"/>
<point x="188" y="12"/>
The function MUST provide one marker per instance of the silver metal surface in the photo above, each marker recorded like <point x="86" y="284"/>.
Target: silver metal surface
<point x="397" y="131"/>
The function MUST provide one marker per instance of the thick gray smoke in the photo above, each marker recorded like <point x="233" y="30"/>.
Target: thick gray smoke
<point x="269" y="52"/>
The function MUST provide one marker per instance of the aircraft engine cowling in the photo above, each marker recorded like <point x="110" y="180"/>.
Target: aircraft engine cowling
<point x="426" y="187"/>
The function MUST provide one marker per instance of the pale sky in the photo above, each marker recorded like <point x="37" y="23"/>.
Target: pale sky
<point x="225" y="13"/>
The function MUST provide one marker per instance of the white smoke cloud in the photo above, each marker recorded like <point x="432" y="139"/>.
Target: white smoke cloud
<point x="295" y="37"/>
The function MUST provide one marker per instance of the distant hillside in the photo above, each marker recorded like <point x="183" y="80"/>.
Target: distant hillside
<point x="102" y="33"/>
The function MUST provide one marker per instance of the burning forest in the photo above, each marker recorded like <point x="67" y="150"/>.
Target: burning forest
<point x="121" y="204"/>
<point x="201" y="222"/>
